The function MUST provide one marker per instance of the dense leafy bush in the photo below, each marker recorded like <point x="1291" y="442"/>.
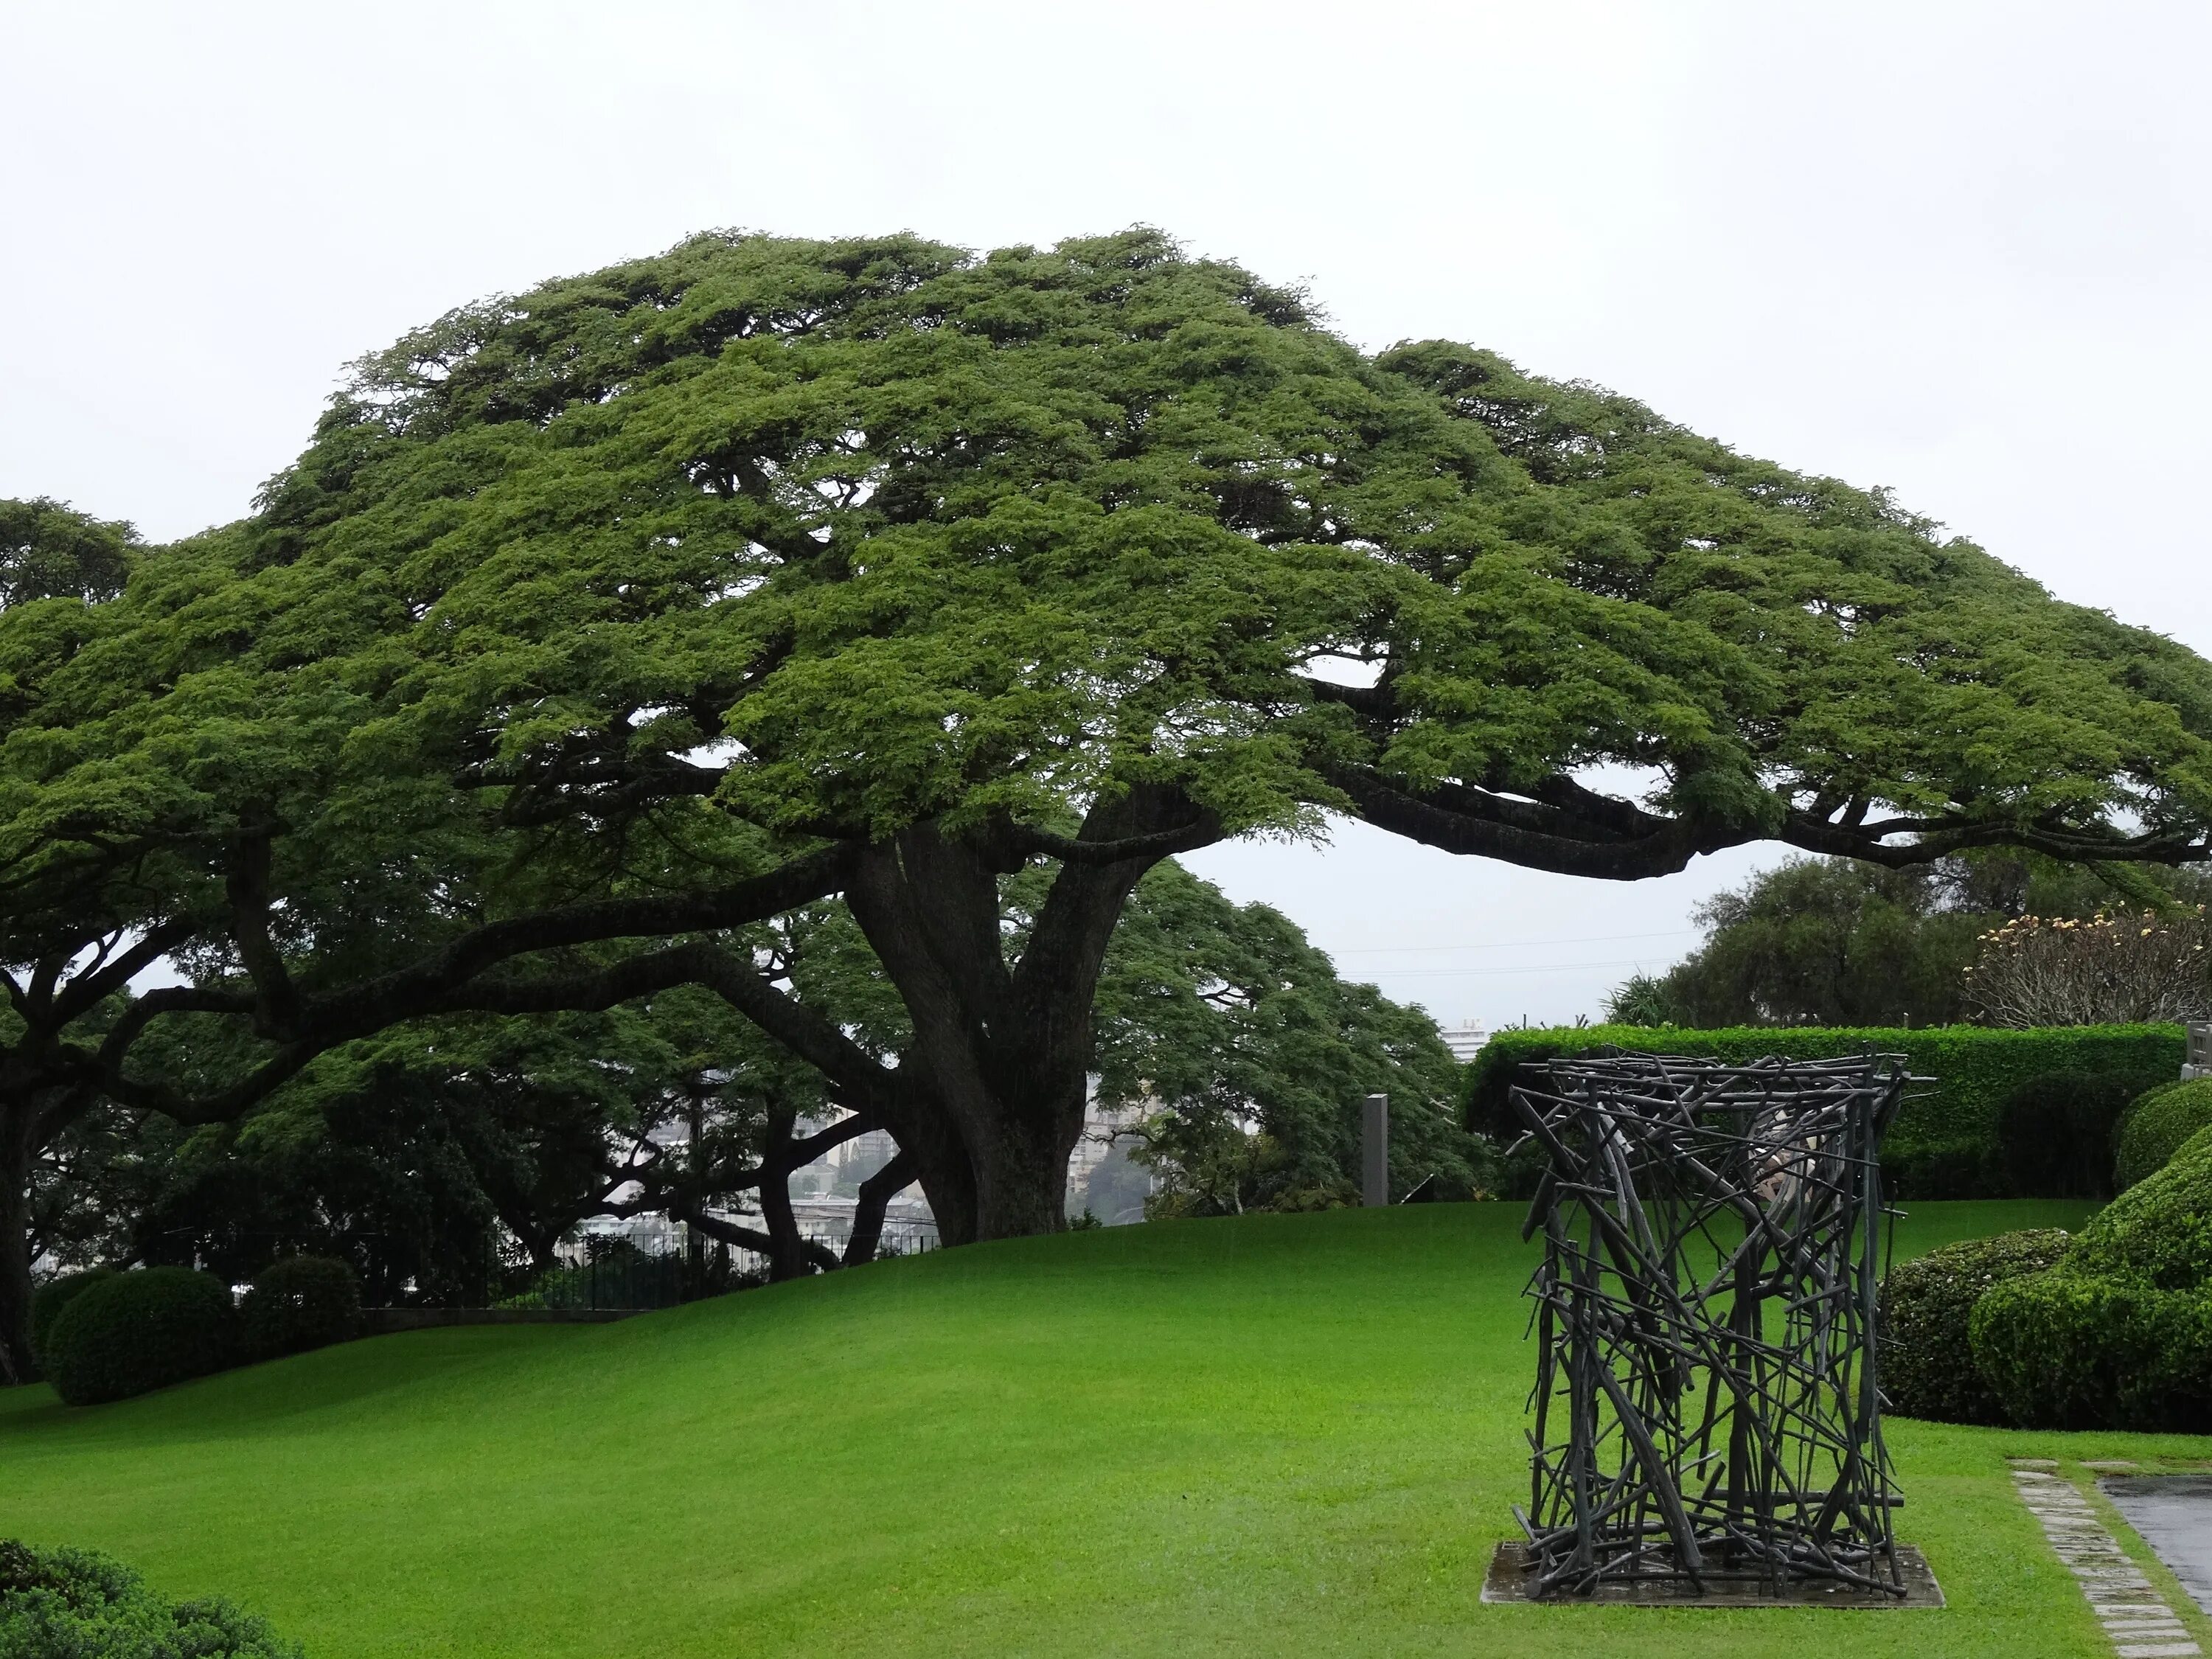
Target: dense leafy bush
<point x="141" y="1331"/>
<point x="301" y="1303"/>
<point x="2054" y="1133"/>
<point x="51" y="1297"/>
<point x="2118" y="1335"/>
<point x="2156" y="1126"/>
<point x="1928" y="1366"/>
<point x="1945" y="1142"/>
<point x="73" y="1604"/>
<point x="2062" y="1350"/>
<point x="2158" y="1232"/>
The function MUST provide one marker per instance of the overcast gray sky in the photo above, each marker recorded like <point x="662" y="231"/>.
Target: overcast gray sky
<point x="1960" y="250"/>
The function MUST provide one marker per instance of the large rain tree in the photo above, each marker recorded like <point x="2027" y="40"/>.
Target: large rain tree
<point x="654" y="601"/>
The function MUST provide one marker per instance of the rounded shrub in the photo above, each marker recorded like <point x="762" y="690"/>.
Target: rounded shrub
<point x="51" y="1297"/>
<point x="2054" y="1133"/>
<point x="2068" y="1350"/>
<point x="2156" y="1126"/>
<point x="138" y="1331"/>
<point x="1928" y="1366"/>
<point x="2118" y="1335"/>
<point x="73" y="1604"/>
<point x="2158" y="1232"/>
<point x="301" y="1303"/>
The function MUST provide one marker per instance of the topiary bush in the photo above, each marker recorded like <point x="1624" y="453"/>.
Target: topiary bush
<point x="2119" y="1333"/>
<point x="2156" y="1126"/>
<point x="2054" y="1133"/>
<point x="138" y="1331"/>
<point x="2158" y="1232"/>
<point x="1928" y="1366"/>
<point x="2066" y="1350"/>
<point x="73" y="1604"/>
<point x="51" y="1297"/>
<point x="301" y="1303"/>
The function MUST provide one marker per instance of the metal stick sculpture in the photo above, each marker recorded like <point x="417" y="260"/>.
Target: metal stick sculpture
<point x="1706" y="1403"/>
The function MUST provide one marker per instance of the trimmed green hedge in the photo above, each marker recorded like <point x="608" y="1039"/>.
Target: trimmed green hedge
<point x="51" y="1297"/>
<point x="301" y="1303"/>
<point x="138" y="1331"/>
<point x="2156" y="1126"/>
<point x="1944" y="1143"/>
<point x="2061" y="1349"/>
<point x="1928" y="1366"/>
<point x="2118" y="1335"/>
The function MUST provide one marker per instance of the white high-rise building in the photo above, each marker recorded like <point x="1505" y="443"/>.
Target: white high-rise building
<point x="1465" y="1039"/>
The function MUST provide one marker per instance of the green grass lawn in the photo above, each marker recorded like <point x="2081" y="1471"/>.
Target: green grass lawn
<point x="1277" y="1435"/>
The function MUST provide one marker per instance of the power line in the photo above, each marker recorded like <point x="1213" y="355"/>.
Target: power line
<point x="1508" y="945"/>
<point x="1458" y="973"/>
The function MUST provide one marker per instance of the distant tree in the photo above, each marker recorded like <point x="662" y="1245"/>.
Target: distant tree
<point x="50" y="550"/>
<point x="1249" y="1058"/>
<point x="2114" y="968"/>
<point x="444" y="1154"/>
<point x="1841" y="942"/>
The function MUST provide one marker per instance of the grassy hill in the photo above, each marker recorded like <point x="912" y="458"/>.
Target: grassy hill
<point x="1268" y="1436"/>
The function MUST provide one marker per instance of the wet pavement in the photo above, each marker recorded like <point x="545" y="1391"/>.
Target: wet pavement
<point x="2173" y="1513"/>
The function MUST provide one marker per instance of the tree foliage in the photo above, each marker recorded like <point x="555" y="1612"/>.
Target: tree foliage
<point x="2145" y="966"/>
<point x="1842" y="942"/>
<point x="651" y="604"/>
<point x="1246" y="1059"/>
<point x="50" y="551"/>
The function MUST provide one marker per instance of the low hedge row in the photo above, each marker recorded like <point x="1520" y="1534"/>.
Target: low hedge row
<point x="1944" y="1143"/>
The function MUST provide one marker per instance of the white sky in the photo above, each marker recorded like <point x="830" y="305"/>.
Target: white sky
<point x="1958" y="249"/>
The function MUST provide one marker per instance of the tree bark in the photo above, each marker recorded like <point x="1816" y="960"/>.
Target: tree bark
<point x="1001" y="1054"/>
<point x="876" y="1194"/>
<point x="17" y="1124"/>
<point x="786" y="1256"/>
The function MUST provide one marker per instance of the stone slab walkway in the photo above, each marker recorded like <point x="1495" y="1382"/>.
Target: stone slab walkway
<point x="2136" y="1619"/>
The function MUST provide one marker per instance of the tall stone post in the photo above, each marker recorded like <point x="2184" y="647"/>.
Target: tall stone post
<point x="2199" y="1062"/>
<point x="1374" y="1151"/>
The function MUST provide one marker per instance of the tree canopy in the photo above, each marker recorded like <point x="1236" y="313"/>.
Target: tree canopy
<point x="653" y="604"/>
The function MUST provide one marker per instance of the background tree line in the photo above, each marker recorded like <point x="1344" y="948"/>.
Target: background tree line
<point x="1841" y="942"/>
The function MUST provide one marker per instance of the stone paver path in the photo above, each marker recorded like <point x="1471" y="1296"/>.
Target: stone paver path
<point x="2135" y="1616"/>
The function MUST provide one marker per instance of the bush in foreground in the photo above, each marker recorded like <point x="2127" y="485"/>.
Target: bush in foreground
<point x="2155" y="1128"/>
<point x="2119" y="1333"/>
<point x="301" y="1303"/>
<point x="1928" y="1366"/>
<point x="141" y="1331"/>
<point x="73" y="1604"/>
<point x="51" y="1297"/>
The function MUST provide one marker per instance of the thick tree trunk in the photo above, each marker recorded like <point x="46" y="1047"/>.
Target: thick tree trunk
<point x="16" y="1365"/>
<point x="875" y="1196"/>
<point x="994" y="1085"/>
<point x="928" y="1137"/>
<point x="788" y="1255"/>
